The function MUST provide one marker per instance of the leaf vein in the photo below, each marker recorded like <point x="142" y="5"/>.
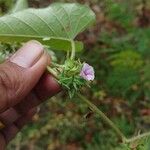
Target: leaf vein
<point x="68" y="15"/>
<point x="54" y="33"/>
<point x="61" y="24"/>
<point x="79" y="22"/>
<point x="85" y="25"/>
<point x="3" y="21"/>
<point x="25" y="24"/>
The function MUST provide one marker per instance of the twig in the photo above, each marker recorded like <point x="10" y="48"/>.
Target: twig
<point x="138" y="137"/>
<point x="112" y="125"/>
<point x="105" y="118"/>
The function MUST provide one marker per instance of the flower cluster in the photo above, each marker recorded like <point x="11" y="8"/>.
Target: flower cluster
<point x="74" y="75"/>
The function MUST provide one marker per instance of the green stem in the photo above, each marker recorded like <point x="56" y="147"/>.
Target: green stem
<point x="67" y="56"/>
<point x="56" y="65"/>
<point x="73" y="49"/>
<point x="138" y="137"/>
<point x="106" y="119"/>
<point x="112" y="125"/>
<point x="52" y="72"/>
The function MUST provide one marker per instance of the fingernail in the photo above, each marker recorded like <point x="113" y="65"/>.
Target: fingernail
<point x="28" y="55"/>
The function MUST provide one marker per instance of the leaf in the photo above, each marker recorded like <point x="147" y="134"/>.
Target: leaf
<point x="20" y="5"/>
<point x="55" y="25"/>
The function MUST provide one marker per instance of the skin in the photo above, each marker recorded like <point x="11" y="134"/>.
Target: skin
<point x="24" y="84"/>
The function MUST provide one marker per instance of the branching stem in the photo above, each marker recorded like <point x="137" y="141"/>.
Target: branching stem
<point x="138" y="137"/>
<point x="104" y="117"/>
<point x="111" y="124"/>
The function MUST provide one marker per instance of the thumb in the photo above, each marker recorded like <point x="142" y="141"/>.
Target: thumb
<point x="20" y="73"/>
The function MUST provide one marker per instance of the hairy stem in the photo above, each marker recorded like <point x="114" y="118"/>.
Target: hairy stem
<point x="112" y="125"/>
<point x="103" y="116"/>
<point x="73" y="49"/>
<point x="52" y="72"/>
<point x="56" y="65"/>
<point x="138" y="137"/>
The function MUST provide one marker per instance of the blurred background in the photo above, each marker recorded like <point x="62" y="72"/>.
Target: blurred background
<point x="118" y="46"/>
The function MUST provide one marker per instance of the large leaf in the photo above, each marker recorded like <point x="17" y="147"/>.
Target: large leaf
<point x="55" y="25"/>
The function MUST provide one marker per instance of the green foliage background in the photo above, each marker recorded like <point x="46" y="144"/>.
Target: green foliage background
<point x="118" y="47"/>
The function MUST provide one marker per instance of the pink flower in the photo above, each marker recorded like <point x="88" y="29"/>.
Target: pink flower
<point x="87" y="72"/>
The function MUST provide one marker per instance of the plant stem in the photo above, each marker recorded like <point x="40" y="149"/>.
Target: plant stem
<point x="112" y="125"/>
<point x="56" y="65"/>
<point x="138" y="137"/>
<point x="67" y="56"/>
<point x="73" y="49"/>
<point x="52" y="72"/>
<point x="105" y="118"/>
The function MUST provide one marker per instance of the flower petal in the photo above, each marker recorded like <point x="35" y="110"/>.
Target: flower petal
<point x="87" y="72"/>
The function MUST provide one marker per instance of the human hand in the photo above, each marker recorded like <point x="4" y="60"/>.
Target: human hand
<point x="24" y="84"/>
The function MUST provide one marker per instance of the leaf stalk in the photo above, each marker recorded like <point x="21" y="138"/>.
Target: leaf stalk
<point x="73" y="49"/>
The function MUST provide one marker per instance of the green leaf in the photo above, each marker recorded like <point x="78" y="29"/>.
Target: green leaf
<point x="54" y="26"/>
<point x="20" y="5"/>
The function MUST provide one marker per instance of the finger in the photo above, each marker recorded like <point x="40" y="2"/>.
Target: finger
<point x="21" y="73"/>
<point x="9" y="116"/>
<point x="46" y="88"/>
<point x="10" y="132"/>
